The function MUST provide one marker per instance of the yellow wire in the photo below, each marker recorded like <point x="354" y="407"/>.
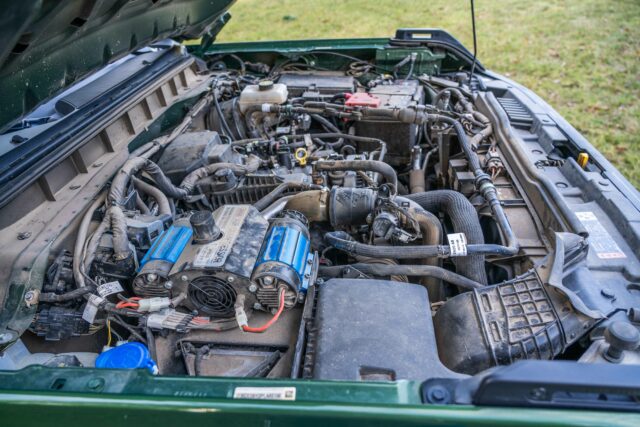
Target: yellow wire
<point x="109" y="333"/>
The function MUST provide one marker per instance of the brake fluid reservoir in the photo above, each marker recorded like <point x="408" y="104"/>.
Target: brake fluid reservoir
<point x="265" y="92"/>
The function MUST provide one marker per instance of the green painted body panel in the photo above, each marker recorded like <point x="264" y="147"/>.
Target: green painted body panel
<point x="89" y="397"/>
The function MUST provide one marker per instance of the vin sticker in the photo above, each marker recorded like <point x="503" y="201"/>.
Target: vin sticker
<point x="599" y="238"/>
<point x="265" y="393"/>
<point x="457" y="244"/>
<point x="229" y="219"/>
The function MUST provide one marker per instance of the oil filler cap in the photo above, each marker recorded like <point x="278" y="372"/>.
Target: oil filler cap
<point x="132" y="355"/>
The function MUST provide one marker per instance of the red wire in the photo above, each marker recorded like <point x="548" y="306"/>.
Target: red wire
<point x="270" y="322"/>
<point x="129" y="303"/>
<point x="125" y="304"/>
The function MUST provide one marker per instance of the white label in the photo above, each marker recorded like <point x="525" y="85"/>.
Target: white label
<point x="457" y="244"/>
<point x="230" y="219"/>
<point x="265" y="393"/>
<point x="91" y="309"/>
<point x="109" y="288"/>
<point x="599" y="238"/>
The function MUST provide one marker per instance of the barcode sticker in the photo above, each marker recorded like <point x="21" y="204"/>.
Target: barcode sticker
<point x="457" y="244"/>
<point x="109" y="288"/>
<point x="265" y="393"/>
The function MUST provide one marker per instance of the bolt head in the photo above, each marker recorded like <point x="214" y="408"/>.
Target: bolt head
<point x="95" y="384"/>
<point x="257" y="306"/>
<point x="538" y="393"/>
<point x="253" y="288"/>
<point x="151" y="277"/>
<point x="168" y="285"/>
<point x="438" y="394"/>
<point x="267" y="280"/>
<point x="231" y="279"/>
<point x="184" y="278"/>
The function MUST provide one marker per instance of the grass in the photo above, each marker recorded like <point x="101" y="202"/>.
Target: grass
<point x="581" y="56"/>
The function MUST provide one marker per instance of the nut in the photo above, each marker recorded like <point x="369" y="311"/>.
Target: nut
<point x="31" y="297"/>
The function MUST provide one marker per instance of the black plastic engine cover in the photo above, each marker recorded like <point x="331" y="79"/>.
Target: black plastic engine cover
<point x="375" y="330"/>
<point x="322" y="82"/>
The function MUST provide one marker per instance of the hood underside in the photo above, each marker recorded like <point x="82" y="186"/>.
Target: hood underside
<point x="49" y="45"/>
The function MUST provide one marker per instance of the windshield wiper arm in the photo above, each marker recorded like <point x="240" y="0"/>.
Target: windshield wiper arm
<point x="543" y="384"/>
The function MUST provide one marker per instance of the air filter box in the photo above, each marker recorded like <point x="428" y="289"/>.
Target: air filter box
<point x="371" y="330"/>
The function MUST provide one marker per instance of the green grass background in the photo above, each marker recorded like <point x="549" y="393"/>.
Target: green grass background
<point x="581" y="56"/>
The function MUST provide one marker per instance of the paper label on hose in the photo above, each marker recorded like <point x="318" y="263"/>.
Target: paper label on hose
<point x="229" y="219"/>
<point x="457" y="244"/>
<point x="91" y="309"/>
<point x="109" y="288"/>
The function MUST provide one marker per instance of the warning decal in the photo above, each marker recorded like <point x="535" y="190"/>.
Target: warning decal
<point x="599" y="238"/>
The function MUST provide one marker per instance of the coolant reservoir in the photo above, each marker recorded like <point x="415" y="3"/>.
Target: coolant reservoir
<point x="265" y="92"/>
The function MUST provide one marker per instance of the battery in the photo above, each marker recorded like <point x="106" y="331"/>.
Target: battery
<point x="400" y="137"/>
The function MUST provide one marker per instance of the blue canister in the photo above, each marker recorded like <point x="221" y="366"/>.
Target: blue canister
<point x="132" y="355"/>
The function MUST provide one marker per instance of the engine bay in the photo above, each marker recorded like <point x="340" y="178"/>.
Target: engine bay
<point x="354" y="222"/>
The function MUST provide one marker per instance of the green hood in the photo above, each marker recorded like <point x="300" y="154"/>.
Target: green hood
<point x="48" y="45"/>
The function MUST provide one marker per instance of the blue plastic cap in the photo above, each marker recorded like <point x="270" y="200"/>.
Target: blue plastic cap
<point x="132" y="355"/>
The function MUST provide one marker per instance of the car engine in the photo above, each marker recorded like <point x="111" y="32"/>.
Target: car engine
<point x="356" y="223"/>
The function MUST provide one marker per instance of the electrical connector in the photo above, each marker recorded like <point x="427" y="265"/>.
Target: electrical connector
<point x="149" y="305"/>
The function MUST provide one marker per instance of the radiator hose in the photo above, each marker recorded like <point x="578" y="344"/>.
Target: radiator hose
<point x="464" y="219"/>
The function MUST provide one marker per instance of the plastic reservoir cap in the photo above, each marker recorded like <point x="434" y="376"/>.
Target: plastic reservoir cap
<point x="132" y="355"/>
